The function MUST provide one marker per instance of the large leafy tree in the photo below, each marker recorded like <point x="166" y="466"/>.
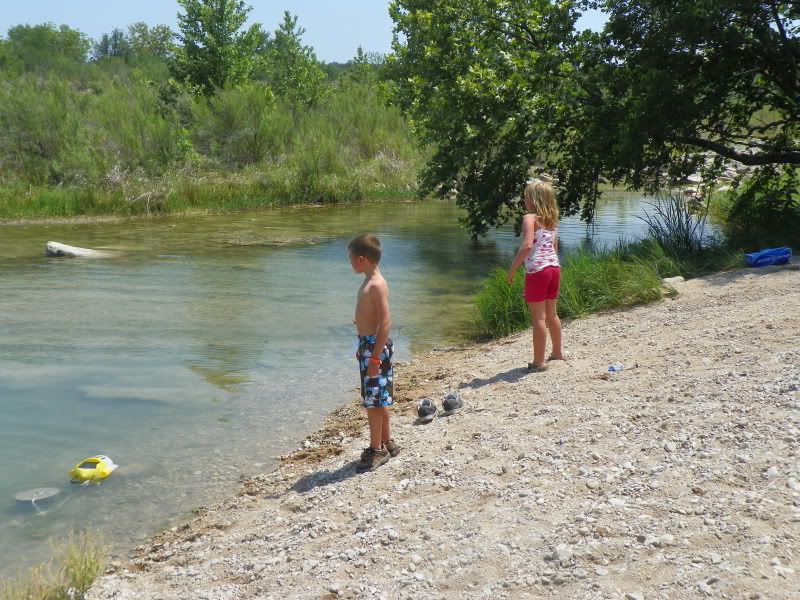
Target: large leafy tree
<point x="216" y="51"/>
<point x="668" y="87"/>
<point x="478" y="78"/>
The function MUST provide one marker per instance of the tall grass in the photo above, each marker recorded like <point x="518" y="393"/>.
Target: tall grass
<point x="626" y="275"/>
<point x="595" y="282"/>
<point x="68" y="576"/>
<point x="500" y="309"/>
<point x="677" y="223"/>
<point x="590" y="282"/>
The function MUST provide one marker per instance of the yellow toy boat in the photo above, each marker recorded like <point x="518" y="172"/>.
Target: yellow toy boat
<point x="94" y="468"/>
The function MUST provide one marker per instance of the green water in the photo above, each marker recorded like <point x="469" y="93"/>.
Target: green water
<point x="204" y="348"/>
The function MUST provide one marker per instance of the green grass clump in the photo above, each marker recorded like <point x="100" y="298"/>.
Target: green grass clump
<point x="593" y="282"/>
<point x="73" y="569"/>
<point x="590" y="282"/>
<point x="500" y="307"/>
<point x="626" y="275"/>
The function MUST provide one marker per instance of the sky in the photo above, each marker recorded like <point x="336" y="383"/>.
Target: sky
<point x="334" y="28"/>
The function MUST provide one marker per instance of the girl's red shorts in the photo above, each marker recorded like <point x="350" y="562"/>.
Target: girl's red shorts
<point x="542" y="285"/>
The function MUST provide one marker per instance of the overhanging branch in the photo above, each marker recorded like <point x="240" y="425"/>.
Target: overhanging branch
<point x="787" y="157"/>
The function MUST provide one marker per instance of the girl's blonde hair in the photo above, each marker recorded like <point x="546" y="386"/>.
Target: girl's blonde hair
<point x="542" y="197"/>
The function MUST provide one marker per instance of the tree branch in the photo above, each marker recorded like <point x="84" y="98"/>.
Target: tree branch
<point x="789" y="157"/>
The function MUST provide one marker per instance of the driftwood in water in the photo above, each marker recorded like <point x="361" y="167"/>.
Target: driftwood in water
<point x="58" y="249"/>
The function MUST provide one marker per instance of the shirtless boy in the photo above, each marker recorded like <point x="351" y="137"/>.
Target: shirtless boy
<point x="373" y="321"/>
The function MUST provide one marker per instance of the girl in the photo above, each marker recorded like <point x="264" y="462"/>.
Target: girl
<point x="542" y="269"/>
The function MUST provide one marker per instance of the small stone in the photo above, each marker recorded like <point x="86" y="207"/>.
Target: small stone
<point x="651" y="540"/>
<point x="561" y="554"/>
<point x="785" y="572"/>
<point x="705" y="588"/>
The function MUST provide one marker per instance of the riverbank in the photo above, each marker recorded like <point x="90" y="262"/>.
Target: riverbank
<point x="674" y="479"/>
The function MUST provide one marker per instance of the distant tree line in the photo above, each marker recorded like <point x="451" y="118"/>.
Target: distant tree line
<point x="140" y="112"/>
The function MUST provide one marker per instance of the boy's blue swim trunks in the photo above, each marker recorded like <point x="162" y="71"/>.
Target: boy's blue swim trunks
<point x="376" y="392"/>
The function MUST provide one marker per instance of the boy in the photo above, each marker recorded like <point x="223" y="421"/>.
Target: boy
<point x="373" y="321"/>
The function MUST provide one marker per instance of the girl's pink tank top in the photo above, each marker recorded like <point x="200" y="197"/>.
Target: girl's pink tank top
<point x="543" y="254"/>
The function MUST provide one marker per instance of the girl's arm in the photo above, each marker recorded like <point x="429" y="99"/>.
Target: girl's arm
<point x="528" y="229"/>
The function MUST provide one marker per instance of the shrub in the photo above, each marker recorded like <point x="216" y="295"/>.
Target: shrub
<point x="241" y="126"/>
<point x="765" y="210"/>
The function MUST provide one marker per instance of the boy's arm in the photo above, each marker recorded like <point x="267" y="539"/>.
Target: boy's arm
<point x="380" y="297"/>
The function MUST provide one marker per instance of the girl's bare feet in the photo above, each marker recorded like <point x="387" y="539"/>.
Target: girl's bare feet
<point x="556" y="357"/>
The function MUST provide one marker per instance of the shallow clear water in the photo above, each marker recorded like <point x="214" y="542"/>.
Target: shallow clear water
<point x="205" y="347"/>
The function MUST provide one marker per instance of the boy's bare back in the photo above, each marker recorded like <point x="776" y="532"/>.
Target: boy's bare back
<point x="372" y="305"/>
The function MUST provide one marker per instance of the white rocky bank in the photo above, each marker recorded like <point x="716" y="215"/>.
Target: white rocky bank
<point x="676" y="479"/>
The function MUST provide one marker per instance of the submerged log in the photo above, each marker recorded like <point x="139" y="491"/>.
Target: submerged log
<point x="58" y="249"/>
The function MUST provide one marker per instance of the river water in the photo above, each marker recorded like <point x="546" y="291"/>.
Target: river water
<point x="205" y="347"/>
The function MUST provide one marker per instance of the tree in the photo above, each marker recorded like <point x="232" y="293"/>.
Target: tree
<point x="290" y="68"/>
<point x="479" y="79"/>
<point x="6" y="59"/>
<point x="215" y="53"/>
<point x="116" y="44"/>
<point x="667" y="88"/>
<point x="154" y="41"/>
<point x="41" y="47"/>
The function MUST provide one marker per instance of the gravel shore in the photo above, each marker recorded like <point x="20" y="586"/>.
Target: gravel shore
<point x="677" y="478"/>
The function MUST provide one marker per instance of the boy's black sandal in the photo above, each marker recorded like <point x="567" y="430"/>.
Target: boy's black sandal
<point x="392" y="448"/>
<point x="371" y="459"/>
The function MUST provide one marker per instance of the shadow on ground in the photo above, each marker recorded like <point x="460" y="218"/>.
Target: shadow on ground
<point x="323" y="478"/>
<point x="510" y="376"/>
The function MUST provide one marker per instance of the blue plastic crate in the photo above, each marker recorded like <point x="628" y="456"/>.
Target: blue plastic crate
<point x="770" y="256"/>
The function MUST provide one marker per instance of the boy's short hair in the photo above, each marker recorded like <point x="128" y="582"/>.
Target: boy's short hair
<point x="366" y="245"/>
